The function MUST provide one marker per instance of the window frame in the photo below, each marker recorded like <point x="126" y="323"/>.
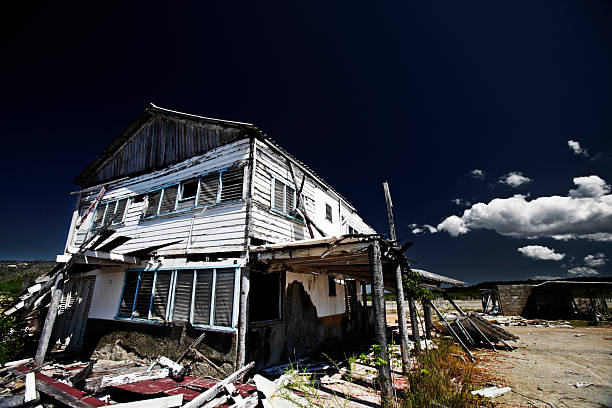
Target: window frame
<point x="331" y="213"/>
<point x="105" y="204"/>
<point x="330" y="279"/>
<point x="172" y="295"/>
<point x="196" y="205"/>
<point x="293" y="214"/>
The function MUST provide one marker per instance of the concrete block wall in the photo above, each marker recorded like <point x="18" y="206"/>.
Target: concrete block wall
<point x="513" y="298"/>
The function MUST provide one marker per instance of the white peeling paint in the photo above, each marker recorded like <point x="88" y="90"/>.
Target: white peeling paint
<point x="317" y="288"/>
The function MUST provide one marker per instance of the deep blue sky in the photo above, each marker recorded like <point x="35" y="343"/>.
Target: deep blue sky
<point x="417" y="93"/>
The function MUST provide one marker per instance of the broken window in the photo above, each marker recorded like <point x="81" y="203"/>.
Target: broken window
<point x="264" y="296"/>
<point x="331" y="282"/>
<point x="351" y="230"/>
<point x="202" y="297"/>
<point x="214" y="188"/>
<point x="106" y="211"/>
<point x="187" y="194"/>
<point x="328" y="213"/>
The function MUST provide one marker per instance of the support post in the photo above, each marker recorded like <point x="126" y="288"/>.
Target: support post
<point x="428" y="319"/>
<point x="399" y="290"/>
<point x="45" y="336"/>
<point x="414" y="324"/>
<point x="365" y="314"/>
<point x="380" y="323"/>
<point x="243" y="317"/>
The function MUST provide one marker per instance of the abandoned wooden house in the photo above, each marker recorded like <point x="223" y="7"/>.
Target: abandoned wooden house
<point x="187" y="224"/>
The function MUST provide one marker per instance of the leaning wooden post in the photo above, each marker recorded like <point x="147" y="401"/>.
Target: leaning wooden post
<point x="414" y="325"/>
<point x="428" y="319"/>
<point x="380" y="323"/>
<point x="399" y="290"/>
<point x="243" y="317"/>
<point x="45" y="335"/>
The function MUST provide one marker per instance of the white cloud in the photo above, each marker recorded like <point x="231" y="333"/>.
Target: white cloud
<point x="431" y="229"/>
<point x="514" y="179"/>
<point x="574" y="145"/>
<point x="540" y="252"/>
<point x="589" y="186"/>
<point x="598" y="259"/>
<point x="417" y="231"/>
<point x="461" y="202"/>
<point x="477" y="174"/>
<point x="582" y="271"/>
<point x="558" y="217"/>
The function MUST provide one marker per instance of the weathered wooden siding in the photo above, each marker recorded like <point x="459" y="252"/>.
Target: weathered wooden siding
<point x="159" y="142"/>
<point x="273" y="227"/>
<point x="218" y="228"/>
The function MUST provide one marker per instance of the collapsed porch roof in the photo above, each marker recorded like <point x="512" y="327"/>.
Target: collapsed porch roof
<point x="346" y="254"/>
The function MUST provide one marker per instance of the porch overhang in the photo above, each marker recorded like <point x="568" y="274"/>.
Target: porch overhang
<point x="346" y="255"/>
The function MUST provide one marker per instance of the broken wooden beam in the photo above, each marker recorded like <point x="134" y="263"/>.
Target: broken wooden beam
<point x="163" y="402"/>
<point x="215" y="389"/>
<point x="193" y="345"/>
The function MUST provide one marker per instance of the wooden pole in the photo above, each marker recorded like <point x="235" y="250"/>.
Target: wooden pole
<point x="243" y="318"/>
<point x="365" y="314"/>
<point x="414" y="325"/>
<point x="452" y="302"/>
<point x="399" y="290"/>
<point x="45" y="336"/>
<point x="428" y="319"/>
<point x="380" y="323"/>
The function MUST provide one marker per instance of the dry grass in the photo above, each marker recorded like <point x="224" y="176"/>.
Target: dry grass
<point x="442" y="380"/>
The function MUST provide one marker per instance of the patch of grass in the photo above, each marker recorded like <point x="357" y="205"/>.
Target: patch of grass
<point x="12" y="339"/>
<point x="442" y="379"/>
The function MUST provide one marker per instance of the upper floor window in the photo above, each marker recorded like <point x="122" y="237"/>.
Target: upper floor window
<point x="202" y="297"/>
<point x="328" y="213"/>
<point x="283" y="197"/>
<point x="211" y="189"/>
<point x="115" y="209"/>
<point x="351" y="230"/>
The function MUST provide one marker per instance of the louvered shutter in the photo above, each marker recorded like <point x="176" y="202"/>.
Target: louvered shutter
<point x="129" y="290"/>
<point x="279" y="196"/>
<point x="224" y="297"/>
<point x="153" y="203"/>
<point x="208" y="189"/>
<point x="143" y="298"/>
<point x="120" y="211"/>
<point x="160" y="299"/>
<point x="290" y="200"/>
<point x="99" y="217"/>
<point x="182" y="297"/>
<point x="231" y="184"/>
<point x="201" y="313"/>
<point x="168" y="200"/>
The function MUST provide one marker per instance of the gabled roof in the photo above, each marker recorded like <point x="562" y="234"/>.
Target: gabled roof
<point x="193" y="137"/>
<point x="91" y="176"/>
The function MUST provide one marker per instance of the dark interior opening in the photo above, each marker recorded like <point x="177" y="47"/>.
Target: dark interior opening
<point x="190" y="189"/>
<point x="264" y="296"/>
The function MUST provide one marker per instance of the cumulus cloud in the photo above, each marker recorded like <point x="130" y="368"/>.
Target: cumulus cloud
<point x="582" y="271"/>
<point x="461" y="202"/>
<point x="514" y="179"/>
<point x="589" y="186"/>
<point x="417" y="230"/>
<point x="598" y="259"/>
<point x="431" y="229"/>
<point x="559" y="217"/>
<point x="477" y="174"/>
<point x="540" y="252"/>
<point x="578" y="150"/>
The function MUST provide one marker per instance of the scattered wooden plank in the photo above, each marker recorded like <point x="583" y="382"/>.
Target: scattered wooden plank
<point x="213" y="391"/>
<point x="274" y="396"/>
<point x="30" y="388"/>
<point x="206" y="359"/>
<point x="250" y="402"/>
<point x="176" y="369"/>
<point x="163" y="402"/>
<point x="60" y="396"/>
<point x="83" y="374"/>
<point x="217" y="402"/>
<point x="121" y="379"/>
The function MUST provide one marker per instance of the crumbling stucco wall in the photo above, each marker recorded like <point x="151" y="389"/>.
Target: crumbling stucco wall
<point x="118" y="340"/>
<point x="317" y="288"/>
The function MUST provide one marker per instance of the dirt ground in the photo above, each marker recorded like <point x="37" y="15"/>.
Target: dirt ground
<point x="549" y="362"/>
